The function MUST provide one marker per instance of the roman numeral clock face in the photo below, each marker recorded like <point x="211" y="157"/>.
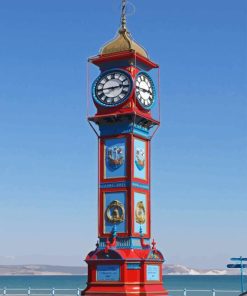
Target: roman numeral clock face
<point x="145" y="91"/>
<point x="112" y="88"/>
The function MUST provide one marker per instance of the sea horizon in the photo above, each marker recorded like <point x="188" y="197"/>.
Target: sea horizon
<point x="56" y="270"/>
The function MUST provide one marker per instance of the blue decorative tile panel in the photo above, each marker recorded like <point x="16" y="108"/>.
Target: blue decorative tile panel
<point x="153" y="272"/>
<point x="115" y="158"/>
<point x="108" y="273"/>
<point x="114" y="185"/>
<point x="140" y="159"/>
<point x="115" y="211"/>
<point x="140" y="212"/>
<point x="140" y="185"/>
<point x="139" y="130"/>
<point x="125" y="243"/>
<point x="134" y="266"/>
<point x="123" y="184"/>
<point x="124" y="127"/>
<point x="115" y="128"/>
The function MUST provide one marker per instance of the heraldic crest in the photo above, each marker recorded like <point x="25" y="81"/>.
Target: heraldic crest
<point x="115" y="156"/>
<point x="115" y="212"/>
<point x="140" y="158"/>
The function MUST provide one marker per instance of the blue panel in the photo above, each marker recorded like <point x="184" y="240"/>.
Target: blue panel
<point x="153" y="273"/>
<point x="140" y="159"/>
<point x="140" y="185"/>
<point x="110" y="197"/>
<point x="140" y="209"/>
<point x="108" y="273"/>
<point x="134" y="266"/>
<point x="115" y="158"/>
<point x="124" y="127"/>
<point x="114" y="185"/>
<point x="116" y="128"/>
<point x="123" y="184"/>
<point x="139" y="130"/>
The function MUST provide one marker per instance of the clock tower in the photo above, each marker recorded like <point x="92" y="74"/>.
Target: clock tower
<point x="125" y="261"/>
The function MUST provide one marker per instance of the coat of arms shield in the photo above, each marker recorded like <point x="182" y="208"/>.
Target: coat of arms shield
<point x="140" y="158"/>
<point x="115" y="156"/>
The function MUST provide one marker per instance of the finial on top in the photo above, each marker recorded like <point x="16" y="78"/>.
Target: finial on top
<point x="154" y="244"/>
<point x="123" y="41"/>
<point x="123" y="16"/>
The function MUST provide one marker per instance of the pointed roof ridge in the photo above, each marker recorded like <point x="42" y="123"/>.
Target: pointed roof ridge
<point x="123" y="42"/>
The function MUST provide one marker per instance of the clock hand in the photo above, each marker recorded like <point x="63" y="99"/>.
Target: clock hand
<point x="144" y="90"/>
<point x="111" y="88"/>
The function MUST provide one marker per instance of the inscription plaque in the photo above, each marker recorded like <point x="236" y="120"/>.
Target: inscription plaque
<point x="133" y="266"/>
<point x="108" y="273"/>
<point x="153" y="273"/>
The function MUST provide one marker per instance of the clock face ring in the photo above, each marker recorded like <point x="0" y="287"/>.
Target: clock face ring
<point x="145" y="90"/>
<point x="112" y="88"/>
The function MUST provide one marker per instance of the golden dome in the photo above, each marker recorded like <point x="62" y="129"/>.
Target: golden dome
<point x="123" y="42"/>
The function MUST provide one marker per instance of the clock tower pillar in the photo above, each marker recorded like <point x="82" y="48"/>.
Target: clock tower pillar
<point x="125" y="261"/>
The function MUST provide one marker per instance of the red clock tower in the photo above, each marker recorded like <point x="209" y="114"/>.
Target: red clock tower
<point x="125" y="261"/>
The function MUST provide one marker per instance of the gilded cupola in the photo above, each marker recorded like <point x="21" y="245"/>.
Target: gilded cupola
<point x="123" y="41"/>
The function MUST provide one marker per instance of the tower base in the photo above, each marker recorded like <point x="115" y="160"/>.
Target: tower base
<point x="125" y="272"/>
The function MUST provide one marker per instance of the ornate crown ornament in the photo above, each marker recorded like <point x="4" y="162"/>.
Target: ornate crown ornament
<point x="115" y="212"/>
<point x="140" y="213"/>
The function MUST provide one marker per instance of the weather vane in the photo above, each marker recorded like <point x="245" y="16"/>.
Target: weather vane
<point x="123" y="15"/>
<point x="127" y="9"/>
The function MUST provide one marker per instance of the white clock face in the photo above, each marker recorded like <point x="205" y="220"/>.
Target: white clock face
<point x="112" y="88"/>
<point x="145" y="90"/>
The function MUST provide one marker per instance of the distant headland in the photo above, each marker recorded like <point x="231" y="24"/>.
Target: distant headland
<point x="82" y="270"/>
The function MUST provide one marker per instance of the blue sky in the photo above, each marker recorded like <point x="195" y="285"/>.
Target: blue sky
<point x="48" y="153"/>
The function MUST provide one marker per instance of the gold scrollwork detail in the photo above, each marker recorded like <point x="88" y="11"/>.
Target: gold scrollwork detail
<point x="115" y="212"/>
<point x="140" y="213"/>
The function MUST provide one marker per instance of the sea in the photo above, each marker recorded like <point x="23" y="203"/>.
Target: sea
<point x="224" y="285"/>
